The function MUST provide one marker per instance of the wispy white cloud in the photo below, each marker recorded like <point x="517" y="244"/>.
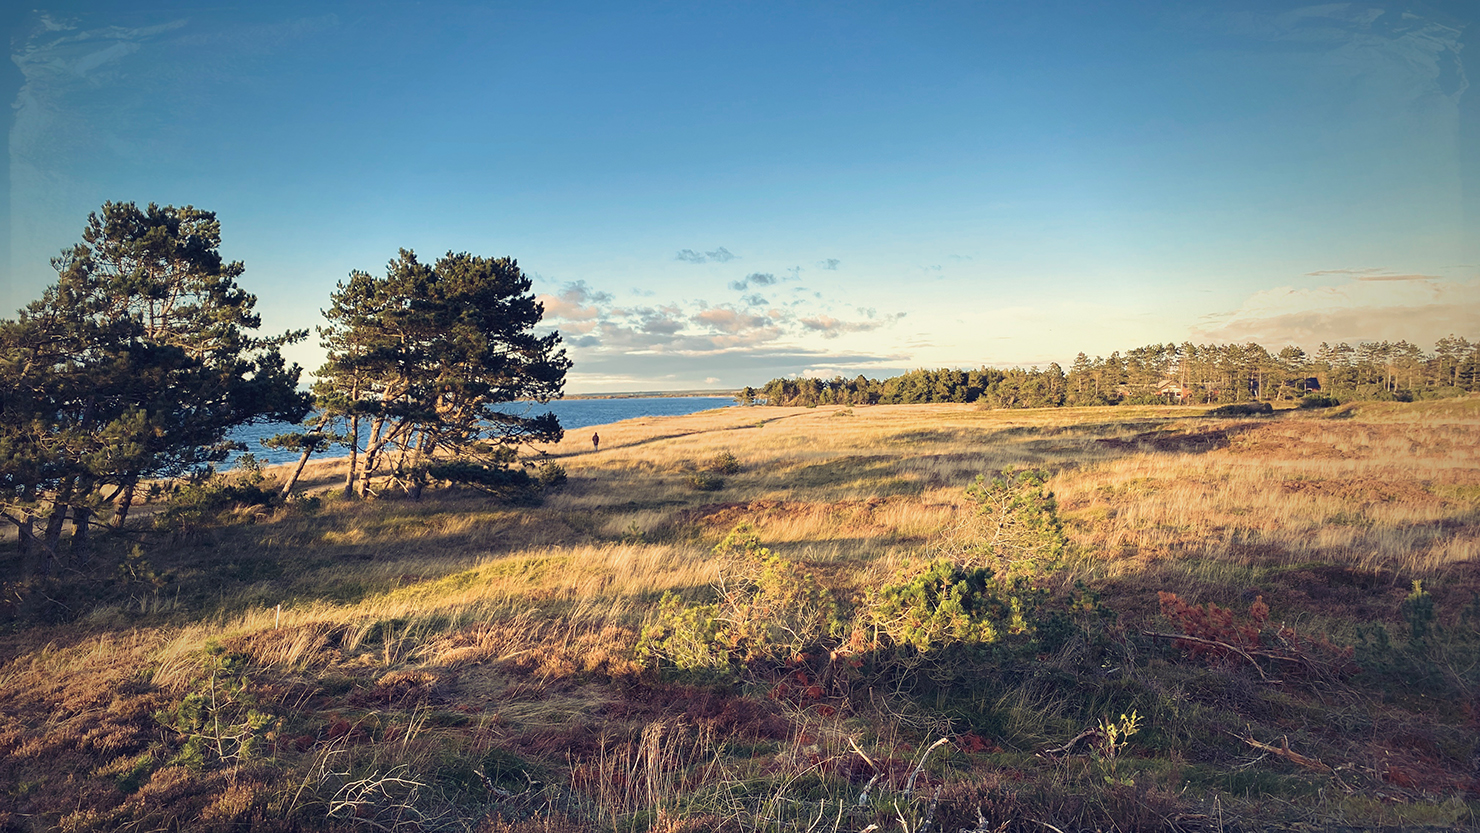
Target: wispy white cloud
<point x="1370" y="275"/>
<point x="830" y="327"/>
<point x="720" y="255"/>
<point x="753" y="279"/>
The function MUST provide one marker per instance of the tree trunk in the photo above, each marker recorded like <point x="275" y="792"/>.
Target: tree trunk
<point x="308" y="450"/>
<point x="400" y="464"/>
<point x="125" y="500"/>
<point x="26" y="537"/>
<point x="354" y="456"/>
<point x="58" y="517"/>
<point x="80" y="539"/>
<point x="372" y="453"/>
<point x="422" y="452"/>
<point x="25" y="529"/>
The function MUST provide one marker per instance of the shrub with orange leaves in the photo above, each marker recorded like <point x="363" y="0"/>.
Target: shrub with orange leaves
<point x="1217" y="634"/>
<point x="1215" y="624"/>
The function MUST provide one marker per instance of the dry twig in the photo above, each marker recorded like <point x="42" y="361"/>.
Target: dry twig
<point x="1284" y="751"/>
<point x="1215" y="643"/>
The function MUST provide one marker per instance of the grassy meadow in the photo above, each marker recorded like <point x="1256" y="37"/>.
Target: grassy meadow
<point x="458" y="663"/>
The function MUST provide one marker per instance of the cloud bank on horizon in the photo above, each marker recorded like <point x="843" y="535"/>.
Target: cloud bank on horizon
<point x="1370" y="305"/>
<point x="921" y="188"/>
<point x="746" y="338"/>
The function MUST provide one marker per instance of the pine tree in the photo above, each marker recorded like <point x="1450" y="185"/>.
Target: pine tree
<point x="425" y="355"/>
<point x="137" y="363"/>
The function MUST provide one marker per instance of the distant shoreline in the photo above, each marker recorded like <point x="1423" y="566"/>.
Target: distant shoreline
<point x="652" y="394"/>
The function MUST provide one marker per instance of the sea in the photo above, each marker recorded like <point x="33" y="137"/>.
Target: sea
<point x="573" y="414"/>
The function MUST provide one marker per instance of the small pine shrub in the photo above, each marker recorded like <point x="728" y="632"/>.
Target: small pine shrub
<point x="1435" y="659"/>
<point x="1418" y="610"/>
<point x="944" y="604"/>
<point x="1312" y="401"/>
<point x="1242" y="409"/>
<point x="550" y="475"/>
<point x="213" y="498"/>
<point x="769" y="610"/>
<point x="501" y="482"/>
<point x="219" y="722"/>
<point x="1014" y="529"/>
<point x="685" y="637"/>
<point x="136" y="571"/>
<point x="705" y="481"/>
<point x="722" y="463"/>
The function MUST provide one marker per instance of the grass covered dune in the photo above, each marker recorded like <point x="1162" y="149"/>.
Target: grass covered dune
<point x="795" y="619"/>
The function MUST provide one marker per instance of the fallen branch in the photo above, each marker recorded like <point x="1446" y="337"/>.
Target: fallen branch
<point x="1182" y="637"/>
<point x="1061" y="750"/>
<point x="1284" y="751"/>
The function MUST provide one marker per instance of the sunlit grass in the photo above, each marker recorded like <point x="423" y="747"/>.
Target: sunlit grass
<point x="508" y="613"/>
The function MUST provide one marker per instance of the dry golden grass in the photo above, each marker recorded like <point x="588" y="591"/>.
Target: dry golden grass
<point x="506" y="614"/>
<point x="1151" y="494"/>
<point x="1156" y="496"/>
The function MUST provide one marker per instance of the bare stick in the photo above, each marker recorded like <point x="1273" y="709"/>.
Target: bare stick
<point x="863" y="755"/>
<point x="1215" y="643"/>
<point x="1284" y="751"/>
<point x="909" y="786"/>
<point x="1059" y="750"/>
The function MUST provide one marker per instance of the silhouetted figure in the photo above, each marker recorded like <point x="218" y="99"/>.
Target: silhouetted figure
<point x="595" y="442"/>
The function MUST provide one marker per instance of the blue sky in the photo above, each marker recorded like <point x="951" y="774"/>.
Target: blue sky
<point x="717" y="194"/>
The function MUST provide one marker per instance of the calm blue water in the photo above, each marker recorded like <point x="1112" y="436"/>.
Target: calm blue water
<point x="574" y="414"/>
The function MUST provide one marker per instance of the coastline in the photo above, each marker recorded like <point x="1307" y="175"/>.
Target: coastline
<point x="575" y="413"/>
<point x="652" y="394"/>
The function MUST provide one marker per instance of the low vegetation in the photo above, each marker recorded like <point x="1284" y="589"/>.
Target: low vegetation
<point x="892" y="618"/>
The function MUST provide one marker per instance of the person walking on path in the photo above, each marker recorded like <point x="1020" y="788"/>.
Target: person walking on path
<point x="595" y="441"/>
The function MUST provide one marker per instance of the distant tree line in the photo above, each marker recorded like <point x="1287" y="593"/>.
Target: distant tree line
<point x="1166" y="374"/>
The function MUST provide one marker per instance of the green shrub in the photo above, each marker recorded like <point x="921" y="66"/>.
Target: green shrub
<point x="219" y="721"/>
<point x="500" y="482"/>
<point x="1434" y="659"/>
<point x="1418" y="610"/>
<point x="1014" y="529"/>
<point x="1241" y="409"/>
<point x="550" y="475"/>
<point x="722" y="463"/>
<point x="506" y="770"/>
<point x="705" y="481"/>
<point x="213" y="498"/>
<point x="768" y="609"/>
<point x="988" y="589"/>
<point x="944" y="604"/>
<point x="685" y="637"/>
<point x="1315" y="400"/>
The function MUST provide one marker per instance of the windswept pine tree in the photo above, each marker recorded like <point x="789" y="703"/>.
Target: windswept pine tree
<point x="419" y="362"/>
<point x="135" y="364"/>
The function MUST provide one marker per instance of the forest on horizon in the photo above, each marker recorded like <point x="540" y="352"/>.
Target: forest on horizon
<point x="1169" y="373"/>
